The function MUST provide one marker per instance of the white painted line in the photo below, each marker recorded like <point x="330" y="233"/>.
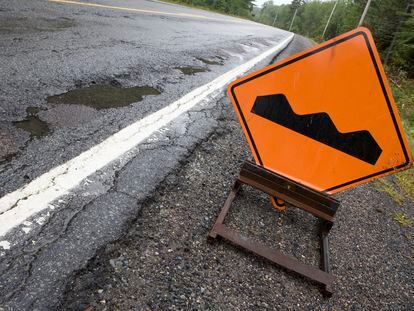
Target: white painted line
<point x="38" y="195"/>
<point x="4" y="245"/>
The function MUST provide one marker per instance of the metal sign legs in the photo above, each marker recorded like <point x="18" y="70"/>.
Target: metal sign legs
<point x="295" y="194"/>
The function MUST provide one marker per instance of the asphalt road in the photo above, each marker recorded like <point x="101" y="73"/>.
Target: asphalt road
<point x="49" y="48"/>
<point x="164" y="261"/>
<point x="74" y="76"/>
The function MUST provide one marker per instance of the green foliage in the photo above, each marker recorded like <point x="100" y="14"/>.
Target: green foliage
<point x="405" y="180"/>
<point x="387" y="187"/>
<point x="296" y="4"/>
<point x="385" y="19"/>
<point x="403" y="90"/>
<point x="403" y="54"/>
<point x="310" y="17"/>
<point x="234" y="7"/>
<point x="402" y="219"/>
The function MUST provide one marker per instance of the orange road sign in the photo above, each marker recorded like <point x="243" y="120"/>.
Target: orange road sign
<point x="326" y="117"/>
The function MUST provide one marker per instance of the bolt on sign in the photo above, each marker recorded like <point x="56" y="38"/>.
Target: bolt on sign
<point x="324" y="118"/>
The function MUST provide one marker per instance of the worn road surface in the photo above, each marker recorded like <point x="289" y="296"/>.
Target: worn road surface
<point x="99" y="102"/>
<point x="118" y="147"/>
<point x="164" y="261"/>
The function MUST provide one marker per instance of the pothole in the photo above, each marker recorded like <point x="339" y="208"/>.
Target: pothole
<point x="103" y="96"/>
<point x="209" y="61"/>
<point x="32" y="111"/>
<point x="32" y="124"/>
<point x="188" y="70"/>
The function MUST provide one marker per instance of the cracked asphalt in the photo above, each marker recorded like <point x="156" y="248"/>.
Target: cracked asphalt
<point x="49" y="49"/>
<point x="75" y="47"/>
<point x="133" y="235"/>
<point x="164" y="262"/>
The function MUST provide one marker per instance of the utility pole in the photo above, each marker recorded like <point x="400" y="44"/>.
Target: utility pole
<point x="361" y="21"/>
<point x="274" y="21"/>
<point x="293" y="18"/>
<point x="329" y="19"/>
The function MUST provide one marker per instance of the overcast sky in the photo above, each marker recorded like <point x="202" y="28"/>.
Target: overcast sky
<point x="260" y="2"/>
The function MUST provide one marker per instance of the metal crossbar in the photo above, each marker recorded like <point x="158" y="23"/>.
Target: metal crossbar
<point x="316" y="203"/>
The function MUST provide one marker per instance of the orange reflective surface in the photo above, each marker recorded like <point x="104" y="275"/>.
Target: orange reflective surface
<point x="343" y="79"/>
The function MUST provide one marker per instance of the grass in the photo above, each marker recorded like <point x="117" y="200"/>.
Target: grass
<point x="402" y="219"/>
<point x="406" y="182"/>
<point x="387" y="187"/>
<point x="403" y="91"/>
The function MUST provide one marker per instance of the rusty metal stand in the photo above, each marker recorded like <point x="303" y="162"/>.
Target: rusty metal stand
<point x="316" y="203"/>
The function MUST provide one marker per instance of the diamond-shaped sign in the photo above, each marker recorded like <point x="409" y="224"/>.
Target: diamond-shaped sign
<point x="326" y="117"/>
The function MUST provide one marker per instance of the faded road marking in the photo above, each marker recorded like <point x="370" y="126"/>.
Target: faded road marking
<point x="38" y="195"/>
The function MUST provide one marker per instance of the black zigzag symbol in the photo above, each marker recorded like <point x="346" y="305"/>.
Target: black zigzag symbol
<point x="318" y="126"/>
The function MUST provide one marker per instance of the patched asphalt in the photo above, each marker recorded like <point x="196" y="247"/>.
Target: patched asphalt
<point x="160" y="199"/>
<point x="49" y="49"/>
<point x="164" y="262"/>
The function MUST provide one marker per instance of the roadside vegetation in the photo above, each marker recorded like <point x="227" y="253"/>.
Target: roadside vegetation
<point x="241" y="8"/>
<point x="402" y="219"/>
<point x="388" y="20"/>
<point x="403" y="90"/>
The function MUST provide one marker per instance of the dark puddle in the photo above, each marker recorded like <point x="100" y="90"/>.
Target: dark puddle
<point x="103" y="96"/>
<point x="20" y="25"/>
<point x="209" y="61"/>
<point x="191" y="70"/>
<point x="32" y="124"/>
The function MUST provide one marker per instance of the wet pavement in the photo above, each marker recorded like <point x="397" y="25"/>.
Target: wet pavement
<point x="32" y="124"/>
<point x="104" y="96"/>
<point x="75" y="75"/>
<point x="49" y="49"/>
<point x="164" y="262"/>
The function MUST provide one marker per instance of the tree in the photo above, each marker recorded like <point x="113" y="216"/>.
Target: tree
<point x="384" y="19"/>
<point x="403" y="52"/>
<point x="296" y="4"/>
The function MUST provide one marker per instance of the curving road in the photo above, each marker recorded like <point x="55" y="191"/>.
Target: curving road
<point x="99" y="102"/>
